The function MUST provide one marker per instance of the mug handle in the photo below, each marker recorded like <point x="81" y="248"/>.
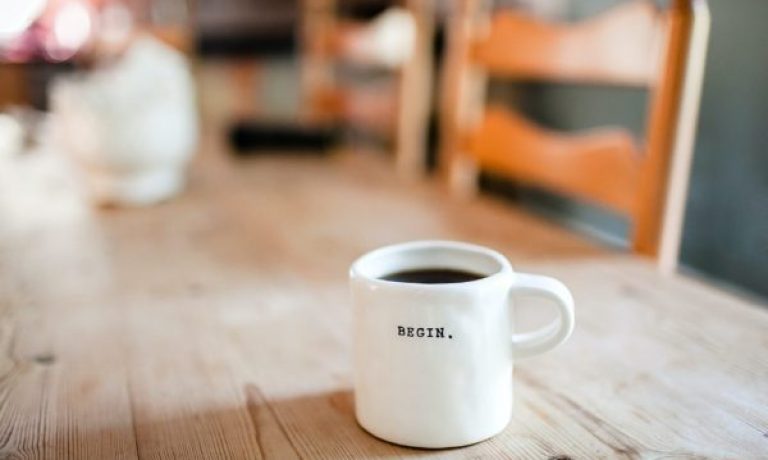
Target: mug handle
<point x="548" y="337"/>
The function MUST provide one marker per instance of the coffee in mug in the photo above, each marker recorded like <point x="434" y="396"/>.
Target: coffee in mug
<point x="432" y="276"/>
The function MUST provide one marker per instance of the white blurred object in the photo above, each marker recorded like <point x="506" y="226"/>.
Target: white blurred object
<point x="389" y="39"/>
<point x="17" y="15"/>
<point x="11" y="136"/>
<point x="132" y="126"/>
<point x="72" y="25"/>
<point x="394" y="36"/>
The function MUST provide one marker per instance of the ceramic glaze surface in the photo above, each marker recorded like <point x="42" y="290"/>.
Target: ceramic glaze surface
<point x="434" y="361"/>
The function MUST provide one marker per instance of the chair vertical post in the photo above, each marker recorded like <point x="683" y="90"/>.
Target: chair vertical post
<point x="415" y="95"/>
<point x="660" y="127"/>
<point x="462" y="95"/>
<point x="661" y="176"/>
<point x="683" y="145"/>
<point x="317" y="70"/>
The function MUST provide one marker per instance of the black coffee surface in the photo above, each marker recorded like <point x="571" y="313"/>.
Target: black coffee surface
<point x="432" y="276"/>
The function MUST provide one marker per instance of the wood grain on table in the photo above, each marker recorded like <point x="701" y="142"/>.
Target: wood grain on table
<point x="217" y="325"/>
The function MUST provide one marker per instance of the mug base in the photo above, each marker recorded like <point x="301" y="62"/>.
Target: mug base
<point x="430" y="445"/>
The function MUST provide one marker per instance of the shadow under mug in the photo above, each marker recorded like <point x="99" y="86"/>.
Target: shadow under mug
<point x="433" y="362"/>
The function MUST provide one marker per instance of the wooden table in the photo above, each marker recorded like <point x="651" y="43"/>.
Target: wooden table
<point x="217" y="325"/>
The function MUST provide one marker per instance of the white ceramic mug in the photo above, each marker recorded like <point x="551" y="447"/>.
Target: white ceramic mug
<point x="433" y="362"/>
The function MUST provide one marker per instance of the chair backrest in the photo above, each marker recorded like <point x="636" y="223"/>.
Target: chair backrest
<point x="400" y="110"/>
<point x="634" y="44"/>
<point x="173" y="24"/>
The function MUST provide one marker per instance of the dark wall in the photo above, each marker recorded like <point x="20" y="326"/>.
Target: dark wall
<point x="726" y="231"/>
<point x="726" y="227"/>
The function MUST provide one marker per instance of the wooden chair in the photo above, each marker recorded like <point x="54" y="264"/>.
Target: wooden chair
<point x="634" y="44"/>
<point x="401" y="111"/>
<point x="177" y="31"/>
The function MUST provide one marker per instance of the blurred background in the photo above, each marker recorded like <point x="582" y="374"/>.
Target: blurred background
<point x="161" y="70"/>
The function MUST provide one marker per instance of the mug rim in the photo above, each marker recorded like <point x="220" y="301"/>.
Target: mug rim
<point x="505" y="268"/>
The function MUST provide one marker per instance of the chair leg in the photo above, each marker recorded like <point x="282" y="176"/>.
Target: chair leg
<point x="415" y="96"/>
<point x="463" y="176"/>
<point x="463" y="88"/>
<point x="245" y="74"/>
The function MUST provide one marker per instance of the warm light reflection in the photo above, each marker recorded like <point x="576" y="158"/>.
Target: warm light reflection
<point x="71" y="30"/>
